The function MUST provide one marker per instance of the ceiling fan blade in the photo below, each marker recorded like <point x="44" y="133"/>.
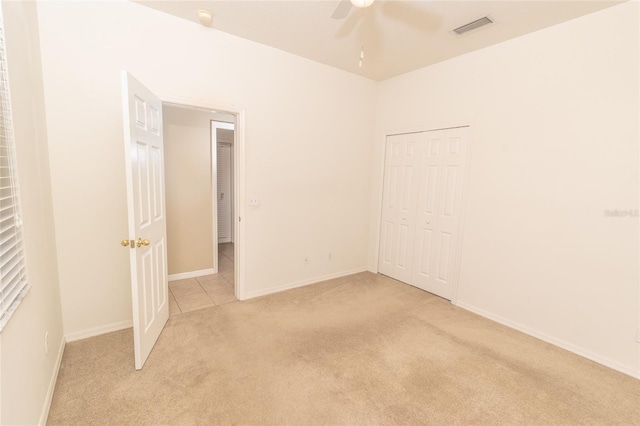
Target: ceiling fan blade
<point x="413" y="14"/>
<point x="348" y="25"/>
<point x="342" y="9"/>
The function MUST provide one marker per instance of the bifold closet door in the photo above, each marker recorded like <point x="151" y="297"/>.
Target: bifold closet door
<point x="421" y="208"/>
<point x="224" y="192"/>
<point x="440" y="191"/>
<point x="402" y="161"/>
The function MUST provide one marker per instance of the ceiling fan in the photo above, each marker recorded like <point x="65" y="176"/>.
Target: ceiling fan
<point x="344" y="7"/>
<point x="367" y="25"/>
<point x="407" y="12"/>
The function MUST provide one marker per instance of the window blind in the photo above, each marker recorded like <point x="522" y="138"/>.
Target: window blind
<point x="13" y="274"/>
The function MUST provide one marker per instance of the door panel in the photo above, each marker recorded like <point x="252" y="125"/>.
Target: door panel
<point x="144" y="158"/>
<point x="387" y="246"/>
<point x="162" y="291"/>
<point x="392" y="187"/>
<point x="141" y="174"/>
<point x="450" y="191"/>
<point x="439" y="206"/>
<point x="425" y="241"/>
<point x="147" y="291"/>
<point x="428" y="202"/>
<point x="157" y="173"/>
<point x="403" y="237"/>
<point x="429" y="183"/>
<point x="399" y="206"/>
<point x="444" y="254"/>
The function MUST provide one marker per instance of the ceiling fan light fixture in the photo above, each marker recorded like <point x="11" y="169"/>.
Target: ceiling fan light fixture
<point x="362" y="3"/>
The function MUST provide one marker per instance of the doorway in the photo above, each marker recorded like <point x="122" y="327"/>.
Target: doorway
<point x="201" y="273"/>
<point x="223" y="147"/>
<point x="147" y="215"/>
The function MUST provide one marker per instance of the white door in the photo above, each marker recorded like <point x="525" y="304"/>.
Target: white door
<point x="439" y="209"/>
<point x="402" y="159"/>
<point x="144" y="156"/>
<point x="224" y="192"/>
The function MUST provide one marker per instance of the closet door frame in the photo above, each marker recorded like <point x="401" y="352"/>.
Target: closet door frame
<point x="463" y="205"/>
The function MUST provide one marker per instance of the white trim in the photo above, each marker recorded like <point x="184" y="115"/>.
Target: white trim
<point x="192" y="274"/>
<point x="239" y="205"/>
<point x="315" y="280"/>
<point x="429" y="127"/>
<point x="52" y="385"/>
<point x="239" y="170"/>
<point x="217" y="124"/>
<point x="96" y="331"/>
<point x="585" y="353"/>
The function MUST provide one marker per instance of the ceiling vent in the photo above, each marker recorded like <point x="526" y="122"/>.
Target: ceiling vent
<point x="473" y="25"/>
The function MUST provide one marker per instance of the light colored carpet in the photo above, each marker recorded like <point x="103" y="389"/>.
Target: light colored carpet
<point x="363" y="349"/>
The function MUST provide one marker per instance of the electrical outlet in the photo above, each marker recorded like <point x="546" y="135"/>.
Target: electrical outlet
<point x="306" y="260"/>
<point x="46" y="343"/>
<point x="330" y="257"/>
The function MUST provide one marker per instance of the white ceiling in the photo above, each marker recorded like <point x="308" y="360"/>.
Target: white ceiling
<point x="398" y="36"/>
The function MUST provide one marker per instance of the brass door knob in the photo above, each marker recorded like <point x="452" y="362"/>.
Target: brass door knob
<point x="141" y="242"/>
<point x="124" y="243"/>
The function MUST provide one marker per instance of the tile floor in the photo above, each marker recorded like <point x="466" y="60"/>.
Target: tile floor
<point x="209" y="290"/>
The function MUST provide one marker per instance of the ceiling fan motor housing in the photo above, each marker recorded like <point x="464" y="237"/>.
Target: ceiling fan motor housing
<point x="362" y="3"/>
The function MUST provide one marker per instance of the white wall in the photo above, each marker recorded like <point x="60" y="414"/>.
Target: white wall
<point x="187" y="160"/>
<point x="555" y="144"/>
<point x="28" y="374"/>
<point x="308" y="132"/>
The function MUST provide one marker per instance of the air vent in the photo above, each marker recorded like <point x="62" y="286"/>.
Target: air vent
<point x="473" y="25"/>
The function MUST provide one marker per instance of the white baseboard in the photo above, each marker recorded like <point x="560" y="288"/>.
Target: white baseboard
<point x="52" y="385"/>
<point x="553" y="340"/>
<point x="271" y="290"/>
<point x="192" y="274"/>
<point x="96" y="331"/>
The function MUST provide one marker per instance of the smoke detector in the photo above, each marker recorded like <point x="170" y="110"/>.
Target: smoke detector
<point x="205" y="17"/>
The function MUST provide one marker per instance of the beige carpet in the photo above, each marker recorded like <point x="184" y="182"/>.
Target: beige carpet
<point x="363" y="349"/>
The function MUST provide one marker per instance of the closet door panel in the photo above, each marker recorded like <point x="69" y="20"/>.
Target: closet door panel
<point x="428" y="201"/>
<point x="444" y="219"/>
<point x="399" y="206"/>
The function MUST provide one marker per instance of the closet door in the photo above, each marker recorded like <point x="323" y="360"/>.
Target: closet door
<point x="440" y="190"/>
<point x="399" y="202"/>
<point x="224" y="192"/>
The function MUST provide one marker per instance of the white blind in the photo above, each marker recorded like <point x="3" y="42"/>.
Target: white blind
<point x="13" y="275"/>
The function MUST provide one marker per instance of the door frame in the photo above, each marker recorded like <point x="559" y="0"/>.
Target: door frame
<point x="239" y="173"/>
<point x="463" y="205"/>
<point x="214" y="181"/>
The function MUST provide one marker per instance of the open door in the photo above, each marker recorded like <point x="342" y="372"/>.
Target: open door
<point x="147" y="241"/>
